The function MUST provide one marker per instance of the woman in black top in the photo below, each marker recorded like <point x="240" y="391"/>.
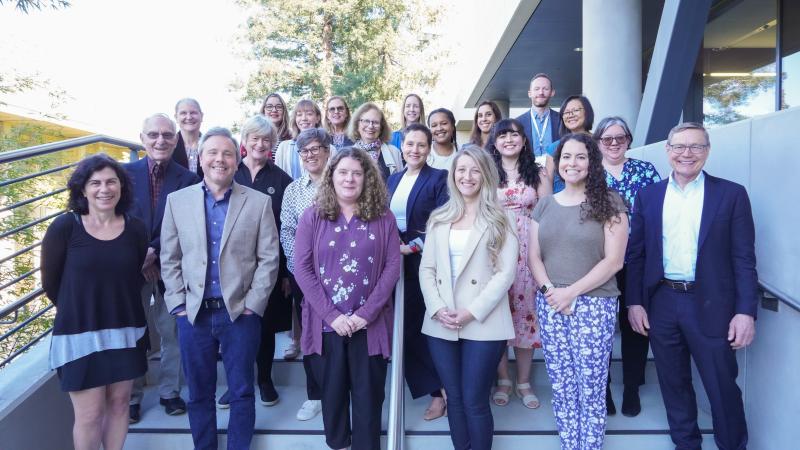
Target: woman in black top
<point x="91" y="270"/>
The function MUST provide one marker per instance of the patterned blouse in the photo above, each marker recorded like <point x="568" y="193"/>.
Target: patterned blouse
<point x="346" y="254"/>
<point x="298" y="196"/>
<point x="635" y="175"/>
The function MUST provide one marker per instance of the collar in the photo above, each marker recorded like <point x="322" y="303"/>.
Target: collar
<point x="539" y="116"/>
<point x="305" y="180"/>
<point x="151" y="164"/>
<point x="207" y="192"/>
<point x="692" y="185"/>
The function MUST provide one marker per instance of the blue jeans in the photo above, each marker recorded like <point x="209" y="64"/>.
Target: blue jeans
<point x="467" y="370"/>
<point x="200" y="344"/>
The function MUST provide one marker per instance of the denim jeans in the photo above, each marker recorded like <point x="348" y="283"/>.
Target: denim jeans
<point x="467" y="370"/>
<point x="200" y="343"/>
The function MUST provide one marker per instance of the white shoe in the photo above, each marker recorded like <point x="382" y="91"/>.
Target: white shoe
<point x="309" y="410"/>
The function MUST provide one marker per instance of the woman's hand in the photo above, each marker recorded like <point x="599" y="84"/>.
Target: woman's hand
<point x="343" y="326"/>
<point x="462" y="317"/>
<point x="405" y="249"/>
<point x="358" y="322"/>
<point x="444" y="316"/>
<point x="560" y="299"/>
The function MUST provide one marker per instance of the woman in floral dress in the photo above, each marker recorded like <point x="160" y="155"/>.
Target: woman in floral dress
<point x="522" y="184"/>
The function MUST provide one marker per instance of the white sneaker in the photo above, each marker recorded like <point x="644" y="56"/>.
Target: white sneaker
<point x="309" y="410"/>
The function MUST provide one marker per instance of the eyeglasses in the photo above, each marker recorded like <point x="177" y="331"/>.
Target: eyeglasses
<point x="621" y="139"/>
<point x="694" y="149"/>
<point x="369" y="123"/>
<point x="273" y="107"/>
<point x="311" y="151"/>
<point x="168" y="136"/>
<point x="571" y="112"/>
<point x="333" y="109"/>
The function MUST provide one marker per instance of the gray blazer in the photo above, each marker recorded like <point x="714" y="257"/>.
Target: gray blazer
<point x="248" y="260"/>
<point x="481" y="287"/>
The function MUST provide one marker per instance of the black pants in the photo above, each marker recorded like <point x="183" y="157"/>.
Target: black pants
<point x="634" y="345"/>
<point x="348" y="374"/>
<point x="276" y="318"/>
<point x="312" y="387"/>
<point x="420" y="372"/>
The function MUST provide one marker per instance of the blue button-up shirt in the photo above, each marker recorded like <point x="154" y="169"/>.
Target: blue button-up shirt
<point x="216" y="210"/>
<point x="541" y="124"/>
<point x="683" y="210"/>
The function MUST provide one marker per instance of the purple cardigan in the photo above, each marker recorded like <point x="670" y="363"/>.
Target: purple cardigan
<point x="378" y="310"/>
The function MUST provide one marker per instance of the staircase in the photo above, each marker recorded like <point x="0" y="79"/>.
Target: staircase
<point x="516" y="427"/>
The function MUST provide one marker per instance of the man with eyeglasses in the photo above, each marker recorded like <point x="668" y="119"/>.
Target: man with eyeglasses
<point x="541" y="122"/>
<point x="692" y="287"/>
<point x="154" y="177"/>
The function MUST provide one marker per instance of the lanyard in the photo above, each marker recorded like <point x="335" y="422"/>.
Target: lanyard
<point x="535" y="125"/>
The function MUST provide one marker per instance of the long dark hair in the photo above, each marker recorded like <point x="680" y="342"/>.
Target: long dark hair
<point x="588" y="114"/>
<point x="475" y="134"/>
<point x="528" y="169"/>
<point x="77" y="182"/>
<point x="598" y="205"/>
<point x="451" y="118"/>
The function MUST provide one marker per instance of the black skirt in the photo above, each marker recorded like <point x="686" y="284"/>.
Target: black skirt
<point x="103" y="368"/>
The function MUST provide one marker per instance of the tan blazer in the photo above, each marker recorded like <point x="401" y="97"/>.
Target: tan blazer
<point x="248" y="260"/>
<point x="480" y="287"/>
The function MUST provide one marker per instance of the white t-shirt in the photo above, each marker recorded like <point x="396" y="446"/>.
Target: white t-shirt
<point x="400" y="200"/>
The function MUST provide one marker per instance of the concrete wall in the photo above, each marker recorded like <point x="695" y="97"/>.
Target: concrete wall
<point x="760" y="154"/>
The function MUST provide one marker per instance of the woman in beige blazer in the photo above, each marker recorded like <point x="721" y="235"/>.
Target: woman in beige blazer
<point x="467" y="267"/>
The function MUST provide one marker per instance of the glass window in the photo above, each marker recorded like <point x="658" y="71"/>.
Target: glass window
<point x="738" y="61"/>
<point x="790" y="53"/>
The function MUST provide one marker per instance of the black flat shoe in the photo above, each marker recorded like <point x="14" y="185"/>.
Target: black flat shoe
<point x="631" y="405"/>
<point x="610" y="408"/>
<point x="134" y="413"/>
<point x="173" y="406"/>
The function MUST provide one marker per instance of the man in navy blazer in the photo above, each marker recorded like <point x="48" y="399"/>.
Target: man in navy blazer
<point x="541" y="124"/>
<point x="154" y="177"/>
<point x="692" y="287"/>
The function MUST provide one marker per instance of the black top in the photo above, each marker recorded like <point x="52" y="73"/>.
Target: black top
<point x="272" y="181"/>
<point x="95" y="284"/>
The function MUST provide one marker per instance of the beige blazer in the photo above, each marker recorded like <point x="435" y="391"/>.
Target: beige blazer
<point x="248" y="260"/>
<point x="480" y="287"/>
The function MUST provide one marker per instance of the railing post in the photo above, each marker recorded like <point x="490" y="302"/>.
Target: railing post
<point x="134" y="153"/>
<point x="396" y="428"/>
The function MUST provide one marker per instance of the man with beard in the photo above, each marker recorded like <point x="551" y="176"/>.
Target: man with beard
<point x="540" y="122"/>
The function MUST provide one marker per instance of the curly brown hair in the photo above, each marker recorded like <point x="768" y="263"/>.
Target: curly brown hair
<point x="374" y="200"/>
<point x="598" y="204"/>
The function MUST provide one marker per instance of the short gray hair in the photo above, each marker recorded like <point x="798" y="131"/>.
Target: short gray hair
<point x="261" y="126"/>
<point x="687" y="126"/>
<point x="157" y="116"/>
<point x="609" y="122"/>
<point x="313" y="134"/>
<point x="219" y="131"/>
<point x="188" y="100"/>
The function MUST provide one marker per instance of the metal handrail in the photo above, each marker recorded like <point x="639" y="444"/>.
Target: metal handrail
<point x="32" y="199"/>
<point x="792" y="302"/>
<point x="20" y="302"/>
<point x="395" y="428"/>
<point x="37" y="150"/>
<point x="32" y="223"/>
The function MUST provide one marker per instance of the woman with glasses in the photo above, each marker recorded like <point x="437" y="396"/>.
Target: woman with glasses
<point x="626" y="176"/>
<point x="577" y="245"/>
<point x="337" y="117"/>
<point x="274" y="108"/>
<point x="413" y="112"/>
<point x="442" y="124"/>
<point x="304" y="116"/>
<point x="370" y="132"/>
<point x="486" y="115"/>
<point x="577" y="116"/>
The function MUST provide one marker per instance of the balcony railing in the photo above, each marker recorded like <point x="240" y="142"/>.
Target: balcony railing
<point x="32" y="184"/>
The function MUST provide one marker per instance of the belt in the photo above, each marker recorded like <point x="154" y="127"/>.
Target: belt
<point x="213" y="303"/>
<point x="678" y="285"/>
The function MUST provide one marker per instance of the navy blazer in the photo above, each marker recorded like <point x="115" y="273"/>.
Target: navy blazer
<point x="726" y="282"/>
<point x="553" y="125"/>
<point x="177" y="177"/>
<point x="428" y="193"/>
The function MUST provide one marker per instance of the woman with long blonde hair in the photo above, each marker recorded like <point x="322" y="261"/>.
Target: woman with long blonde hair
<point x="468" y="264"/>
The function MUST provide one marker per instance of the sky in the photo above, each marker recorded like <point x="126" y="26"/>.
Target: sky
<point x="121" y="61"/>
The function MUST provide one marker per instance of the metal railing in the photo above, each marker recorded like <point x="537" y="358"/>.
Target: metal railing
<point x="11" y="313"/>
<point x="396" y="428"/>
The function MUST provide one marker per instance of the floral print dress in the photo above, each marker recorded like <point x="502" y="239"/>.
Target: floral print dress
<point x="520" y="199"/>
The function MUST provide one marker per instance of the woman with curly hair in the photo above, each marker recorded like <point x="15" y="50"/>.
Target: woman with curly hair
<point x="468" y="264"/>
<point x="486" y="115"/>
<point x="522" y="184"/>
<point x="577" y="245"/>
<point x="347" y="265"/>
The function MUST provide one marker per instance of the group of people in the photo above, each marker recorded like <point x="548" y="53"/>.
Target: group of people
<point x="538" y="233"/>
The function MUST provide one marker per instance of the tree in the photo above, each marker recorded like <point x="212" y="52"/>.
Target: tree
<point x="27" y="5"/>
<point x="725" y="96"/>
<point x="364" y="50"/>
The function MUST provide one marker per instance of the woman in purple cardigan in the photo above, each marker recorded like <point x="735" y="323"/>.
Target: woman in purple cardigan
<point x="347" y="264"/>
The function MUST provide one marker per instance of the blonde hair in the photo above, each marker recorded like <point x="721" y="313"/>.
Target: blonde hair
<point x="404" y="123"/>
<point x="373" y="201"/>
<point x="385" y="133"/>
<point x="303" y="105"/>
<point x="489" y="211"/>
<point x="327" y="123"/>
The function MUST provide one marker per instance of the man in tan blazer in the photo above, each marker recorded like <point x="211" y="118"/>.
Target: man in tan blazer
<point x="219" y="262"/>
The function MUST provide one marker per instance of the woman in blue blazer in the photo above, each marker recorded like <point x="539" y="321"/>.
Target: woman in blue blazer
<point x="414" y="193"/>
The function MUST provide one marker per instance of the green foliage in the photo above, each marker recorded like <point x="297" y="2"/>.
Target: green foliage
<point x="725" y="96"/>
<point x="26" y="6"/>
<point x="363" y="50"/>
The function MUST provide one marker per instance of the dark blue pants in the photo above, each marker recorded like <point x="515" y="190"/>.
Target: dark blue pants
<point x="467" y="370"/>
<point x="418" y="367"/>
<point x="676" y="336"/>
<point x="200" y="343"/>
